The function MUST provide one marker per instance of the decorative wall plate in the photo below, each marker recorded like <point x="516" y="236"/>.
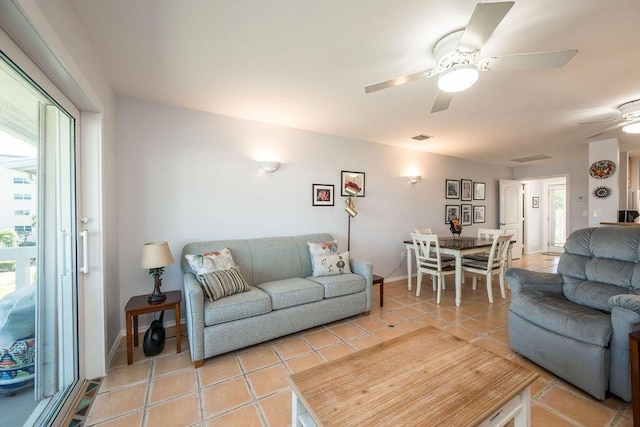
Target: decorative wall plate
<point x="602" y="169"/>
<point x="602" y="192"/>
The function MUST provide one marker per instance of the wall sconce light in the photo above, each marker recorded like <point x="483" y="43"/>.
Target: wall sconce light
<point x="414" y="179"/>
<point x="269" y="167"/>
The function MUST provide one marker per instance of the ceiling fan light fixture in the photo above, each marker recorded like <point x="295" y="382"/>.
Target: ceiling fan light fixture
<point x="458" y="78"/>
<point x="633" y="127"/>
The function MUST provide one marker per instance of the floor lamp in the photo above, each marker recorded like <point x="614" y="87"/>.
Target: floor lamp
<point x="351" y="212"/>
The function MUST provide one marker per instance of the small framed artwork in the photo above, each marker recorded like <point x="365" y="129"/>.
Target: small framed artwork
<point x="451" y="212"/>
<point x="478" y="214"/>
<point x="478" y="191"/>
<point x="466" y="215"/>
<point x="452" y="189"/>
<point x="465" y="189"/>
<point x="322" y="195"/>
<point x="535" y="202"/>
<point x="353" y="180"/>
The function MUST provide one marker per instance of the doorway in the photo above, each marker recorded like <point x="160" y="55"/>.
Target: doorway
<point x="545" y="212"/>
<point x="38" y="288"/>
<point x="557" y="218"/>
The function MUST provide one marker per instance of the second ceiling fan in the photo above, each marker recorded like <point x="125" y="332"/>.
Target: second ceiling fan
<point x="457" y="63"/>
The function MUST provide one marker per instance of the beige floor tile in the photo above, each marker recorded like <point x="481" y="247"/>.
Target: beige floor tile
<point x="543" y="417"/>
<point x="624" y="422"/>
<point x="409" y="312"/>
<point x="130" y="420"/>
<point x="347" y="330"/>
<point x="490" y="319"/>
<point x="172" y="363"/>
<point x="305" y="362"/>
<point x="391" y="303"/>
<point x="408" y="299"/>
<point x="223" y="397"/>
<point x="585" y="411"/>
<point x="321" y="339"/>
<point x="370" y="323"/>
<point x="247" y="416"/>
<point x="431" y="320"/>
<point x="460" y="332"/>
<point x="277" y="409"/>
<point x="408" y="326"/>
<point x="335" y="352"/>
<point x="493" y="346"/>
<point x="126" y="375"/>
<point x="268" y="380"/>
<point x="361" y="343"/>
<point x="391" y="317"/>
<point x="181" y="411"/>
<point x="292" y="347"/>
<point x="257" y="357"/>
<point x="478" y="327"/>
<point x="450" y="316"/>
<point x="172" y="385"/>
<point x="538" y="386"/>
<point x="219" y="368"/>
<point x="388" y="334"/>
<point x="117" y="402"/>
<point x="501" y="335"/>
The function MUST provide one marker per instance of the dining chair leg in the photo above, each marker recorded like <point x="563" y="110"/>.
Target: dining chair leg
<point x="502" y="284"/>
<point x="475" y="281"/>
<point x="489" y="289"/>
<point x="433" y="282"/>
<point x="439" y="288"/>
<point x="419" y="284"/>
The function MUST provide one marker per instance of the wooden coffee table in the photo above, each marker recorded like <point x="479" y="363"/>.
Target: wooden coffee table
<point x="426" y="377"/>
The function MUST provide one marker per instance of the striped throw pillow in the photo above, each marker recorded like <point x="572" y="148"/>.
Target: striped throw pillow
<point x="219" y="284"/>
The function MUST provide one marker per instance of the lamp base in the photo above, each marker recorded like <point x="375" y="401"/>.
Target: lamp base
<point x="156" y="298"/>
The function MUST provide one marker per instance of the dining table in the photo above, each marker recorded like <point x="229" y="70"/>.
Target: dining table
<point x="457" y="247"/>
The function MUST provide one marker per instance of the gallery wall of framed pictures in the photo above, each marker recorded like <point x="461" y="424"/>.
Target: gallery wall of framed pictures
<point x="465" y="190"/>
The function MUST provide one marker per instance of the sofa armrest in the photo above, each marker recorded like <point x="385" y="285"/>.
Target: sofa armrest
<point x="625" y="318"/>
<point x="194" y="316"/>
<point x="521" y="279"/>
<point x="365" y="269"/>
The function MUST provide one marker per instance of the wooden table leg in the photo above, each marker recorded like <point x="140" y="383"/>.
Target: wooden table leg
<point x="135" y="330"/>
<point x="177" y="313"/>
<point x="129" y="339"/>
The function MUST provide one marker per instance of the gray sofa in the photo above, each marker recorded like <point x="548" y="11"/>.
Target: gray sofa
<point x="283" y="297"/>
<point x="576" y="323"/>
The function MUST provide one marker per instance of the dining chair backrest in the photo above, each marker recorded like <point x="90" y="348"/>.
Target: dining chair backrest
<point x="489" y="233"/>
<point x="499" y="250"/>
<point x="427" y="251"/>
<point x="424" y="230"/>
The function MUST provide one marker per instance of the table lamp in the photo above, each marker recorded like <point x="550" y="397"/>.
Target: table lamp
<point x="156" y="256"/>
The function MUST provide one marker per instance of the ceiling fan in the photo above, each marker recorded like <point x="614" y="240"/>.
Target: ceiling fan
<point x="629" y="119"/>
<point x="457" y="64"/>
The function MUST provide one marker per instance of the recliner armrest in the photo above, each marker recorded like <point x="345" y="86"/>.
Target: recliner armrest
<point x="365" y="269"/>
<point x="627" y="301"/>
<point x="521" y="279"/>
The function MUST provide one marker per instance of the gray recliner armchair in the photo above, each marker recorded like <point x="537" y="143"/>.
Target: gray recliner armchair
<point x="576" y="323"/>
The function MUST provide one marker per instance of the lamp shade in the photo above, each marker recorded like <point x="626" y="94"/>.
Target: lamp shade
<point x="156" y="255"/>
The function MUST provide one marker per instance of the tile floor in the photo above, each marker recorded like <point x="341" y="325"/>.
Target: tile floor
<point x="249" y="387"/>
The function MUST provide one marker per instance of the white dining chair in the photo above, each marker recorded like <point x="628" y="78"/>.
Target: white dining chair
<point x="424" y="230"/>
<point x="495" y="263"/>
<point x="429" y="261"/>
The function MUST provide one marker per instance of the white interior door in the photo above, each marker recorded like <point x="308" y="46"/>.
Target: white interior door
<point x="556" y="216"/>
<point x="511" y="213"/>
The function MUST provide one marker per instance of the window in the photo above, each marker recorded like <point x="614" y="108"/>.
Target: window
<point x="21" y="181"/>
<point x="22" y="212"/>
<point x="24" y="229"/>
<point x="21" y="196"/>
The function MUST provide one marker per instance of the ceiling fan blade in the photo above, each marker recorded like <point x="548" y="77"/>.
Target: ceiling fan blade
<point x="522" y="61"/>
<point x="484" y="20"/>
<point x="599" y="121"/>
<point x="443" y="99"/>
<point x="594" y="135"/>
<point x="400" y="80"/>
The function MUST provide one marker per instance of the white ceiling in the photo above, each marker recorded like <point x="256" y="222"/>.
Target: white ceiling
<point x="305" y="63"/>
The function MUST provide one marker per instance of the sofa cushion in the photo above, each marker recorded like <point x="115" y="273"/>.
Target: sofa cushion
<point x="591" y="294"/>
<point x="323" y="248"/>
<point x="211" y="261"/>
<point x="234" y="307"/>
<point x="344" y="284"/>
<point x="564" y="317"/>
<point x="329" y="265"/>
<point x="291" y="292"/>
<point x="219" y="284"/>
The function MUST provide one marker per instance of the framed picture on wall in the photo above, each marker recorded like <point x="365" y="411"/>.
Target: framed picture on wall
<point x="535" y="202"/>
<point x="465" y="215"/>
<point x="451" y="212"/>
<point x="478" y="190"/>
<point x="452" y="189"/>
<point x="354" y="180"/>
<point x="322" y="195"/>
<point x="478" y="214"/>
<point x="465" y="189"/>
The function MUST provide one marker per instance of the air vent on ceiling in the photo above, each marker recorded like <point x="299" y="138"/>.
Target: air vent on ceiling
<point x="531" y="158"/>
<point x="421" y="137"/>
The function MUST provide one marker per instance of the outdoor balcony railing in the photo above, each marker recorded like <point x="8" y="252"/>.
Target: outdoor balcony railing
<point x="22" y="257"/>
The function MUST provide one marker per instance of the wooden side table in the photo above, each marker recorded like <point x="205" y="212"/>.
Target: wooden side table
<point x="634" y="358"/>
<point x="379" y="280"/>
<point x="138" y="305"/>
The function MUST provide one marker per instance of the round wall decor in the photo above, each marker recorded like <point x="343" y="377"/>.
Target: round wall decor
<point x="602" y="192"/>
<point x="602" y="169"/>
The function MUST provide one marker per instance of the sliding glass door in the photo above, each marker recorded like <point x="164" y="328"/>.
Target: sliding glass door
<point x="38" y="273"/>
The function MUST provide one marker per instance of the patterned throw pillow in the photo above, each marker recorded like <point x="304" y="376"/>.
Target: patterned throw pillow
<point x="219" y="284"/>
<point x="211" y="261"/>
<point x="323" y="248"/>
<point x="330" y="265"/>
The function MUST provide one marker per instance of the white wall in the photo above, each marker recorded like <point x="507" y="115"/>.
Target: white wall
<point x="577" y="173"/>
<point x="186" y="175"/>
<point x="605" y="209"/>
<point x="534" y="223"/>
